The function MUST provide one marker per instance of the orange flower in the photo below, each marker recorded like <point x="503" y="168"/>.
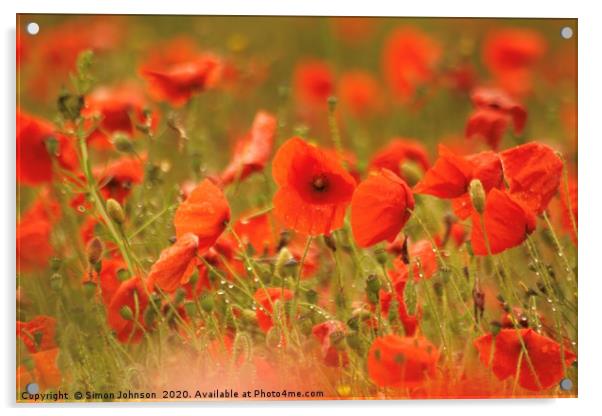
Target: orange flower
<point x="314" y="189"/>
<point x="204" y="213"/>
<point x="33" y="234"/>
<point x="257" y="231"/>
<point x="544" y="355"/>
<point x="118" y="177"/>
<point x="130" y="296"/>
<point x="488" y="125"/>
<point x="108" y="279"/>
<point x="397" y="152"/>
<point x="422" y="258"/>
<point x="46" y="372"/>
<point x="175" y="264"/>
<point x="266" y="298"/>
<point x="252" y="152"/>
<point x="569" y="209"/>
<point x="120" y="109"/>
<point x="401" y="362"/>
<point x="360" y="94"/>
<point x="533" y="172"/>
<point x="176" y="71"/>
<point x="410" y="322"/>
<point x="34" y="162"/>
<point x="380" y="208"/>
<point x="38" y="334"/>
<point x="409" y="57"/>
<point x="507" y="223"/>
<point x="313" y="83"/>
<point x="327" y="333"/>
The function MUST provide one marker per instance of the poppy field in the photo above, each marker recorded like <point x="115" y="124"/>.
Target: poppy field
<point x="295" y="208"/>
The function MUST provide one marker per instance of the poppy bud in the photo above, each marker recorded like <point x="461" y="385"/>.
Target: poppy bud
<point x="149" y="316"/>
<point x="477" y="195"/>
<point x="115" y="211"/>
<point x="70" y="105"/>
<point x="372" y="283"/>
<point x="179" y="296"/>
<point x="411" y="172"/>
<point x="478" y="298"/>
<point x="284" y="262"/>
<point x="126" y="313"/>
<point x="248" y="316"/>
<point x="56" y="281"/>
<point x="381" y="256"/>
<point x="123" y="274"/>
<point x="311" y="296"/>
<point x="123" y="143"/>
<point x="94" y="250"/>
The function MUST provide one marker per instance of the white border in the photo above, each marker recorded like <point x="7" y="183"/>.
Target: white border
<point x="590" y="161"/>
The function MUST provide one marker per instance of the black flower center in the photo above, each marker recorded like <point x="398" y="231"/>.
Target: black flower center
<point x="319" y="183"/>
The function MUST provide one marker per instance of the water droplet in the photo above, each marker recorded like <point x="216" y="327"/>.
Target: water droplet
<point x="230" y="286"/>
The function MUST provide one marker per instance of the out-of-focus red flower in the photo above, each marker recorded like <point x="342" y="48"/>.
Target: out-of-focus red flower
<point x="380" y="207"/>
<point x="176" y="71"/>
<point x="108" y="279"/>
<point x="253" y="151"/>
<point x="507" y="223"/>
<point x="314" y="189"/>
<point x="544" y="355"/>
<point x="401" y="362"/>
<point x="409" y="57"/>
<point x="117" y="178"/>
<point x="423" y="260"/>
<point x="511" y="55"/>
<point x="46" y="372"/>
<point x="533" y="172"/>
<point x="328" y="333"/>
<point x="398" y="151"/>
<point x="360" y="94"/>
<point x="131" y="295"/>
<point x="38" y="333"/>
<point x="313" y="83"/>
<point x="266" y="298"/>
<point x="120" y="109"/>
<point x="462" y="77"/>
<point x="34" y="162"/>
<point x="409" y="321"/>
<point x="494" y="111"/>
<point x="257" y="231"/>
<point x="204" y="213"/>
<point x="353" y="30"/>
<point x="52" y="54"/>
<point x="175" y="264"/>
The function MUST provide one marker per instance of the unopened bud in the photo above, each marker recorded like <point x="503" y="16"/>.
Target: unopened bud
<point x="477" y="195"/>
<point x="283" y="262"/>
<point x="179" y="296"/>
<point x="89" y="288"/>
<point x="123" y="143"/>
<point x="381" y="256"/>
<point x="411" y="172"/>
<point x="207" y="303"/>
<point x="115" y="211"/>
<point x="248" y="316"/>
<point x="94" y="250"/>
<point x="126" y="313"/>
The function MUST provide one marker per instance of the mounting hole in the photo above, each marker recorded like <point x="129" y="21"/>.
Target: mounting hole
<point x="33" y="28"/>
<point x="566" y="32"/>
<point x="566" y="384"/>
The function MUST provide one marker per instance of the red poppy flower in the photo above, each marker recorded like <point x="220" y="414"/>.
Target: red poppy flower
<point x="569" y="210"/>
<point x="46" y="373"/>
<point x="313" y="83"/>
<point x="401" y="362"/>
<point x="176" y="71"/>
<point x="314" y="188"/>
<point x="120" y="109"/>
<point x="410" y="322"/>
<point x="451" y="174"/>
<point x="33" y="239"/>
<point x="130" y="295"/>
<point x="360" y="94"/>
<point x="34" y="163"/>
<point x="347" y="158"/>
<point x="398" y="151"/>
<point x="266" y="298"/>
<point x="38" y="334"/>
<point x="204" y="213"/>
<point x="533" y="172"/>
<point x="175" y="264"/>
<point x="108" y="279"/>
<point x="252" y="152"/>
<point x="544" y="354"/>
<point x="257" y="231"/>
<point x="409" y="56"/>
<point x="495" y="110"/>
<point x="422" y="258"/>
<point x="326" y="333"/>
<point x="380" y="207"/>
<point x="118" y="177"/>
<point x="507" y="223"/>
